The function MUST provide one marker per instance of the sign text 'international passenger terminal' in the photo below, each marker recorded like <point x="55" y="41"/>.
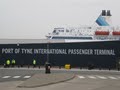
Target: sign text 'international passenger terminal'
<point x="58" y="51"/>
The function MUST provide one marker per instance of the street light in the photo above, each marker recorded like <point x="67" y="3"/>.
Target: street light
<point x="47" y="64"/>
<point x="48" y="47"/>
<point x="47" y="52"/>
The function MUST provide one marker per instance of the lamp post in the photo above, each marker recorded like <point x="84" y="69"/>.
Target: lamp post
<point x="47" y="64"/>
<point x="47" y="52"/>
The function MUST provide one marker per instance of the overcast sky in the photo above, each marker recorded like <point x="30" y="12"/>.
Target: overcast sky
<point x="33" y="19"/>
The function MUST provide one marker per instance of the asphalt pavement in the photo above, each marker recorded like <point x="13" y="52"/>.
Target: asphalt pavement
<point x="11" y="78"/>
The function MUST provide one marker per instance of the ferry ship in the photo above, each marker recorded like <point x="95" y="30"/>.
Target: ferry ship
<point x="101" y="30"/>
<point x="97" y="46"/>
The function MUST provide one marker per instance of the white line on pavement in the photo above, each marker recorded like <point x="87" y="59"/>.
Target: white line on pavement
<point x="26" y="76"/>
<point x="91" y="77"/>
<point x="6" y="77"/>
<point x="16" y="76"/>
<point x="101" y="77"/>
<point x="81" y="77"/>
<point x="111" y="77"/>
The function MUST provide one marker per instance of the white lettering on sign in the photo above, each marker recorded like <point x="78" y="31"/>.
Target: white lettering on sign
<point x="104" y="52"/>
<point x="58" y="51"/>
<point x="80" y="51"/>
<point x="17" y="50"/>
<point x="26" y="51"/>
<point x="7" y="50"/>
<point x="50" y="51"/>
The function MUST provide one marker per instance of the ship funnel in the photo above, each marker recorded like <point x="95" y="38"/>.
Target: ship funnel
<point x="104" y="19"/>
<point x="103" y="12"/>
<point x="108" y="13"/>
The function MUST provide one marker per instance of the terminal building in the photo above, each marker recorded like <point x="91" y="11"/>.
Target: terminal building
<point x="102" y="54"/>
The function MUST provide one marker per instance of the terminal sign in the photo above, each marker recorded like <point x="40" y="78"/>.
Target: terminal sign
<point x="58" y="51"/>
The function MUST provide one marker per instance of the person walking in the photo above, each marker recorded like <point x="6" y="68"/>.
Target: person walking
<point x="8" y="63"/>
<point x="34" y="63"/>
<point x="13" y="63"/>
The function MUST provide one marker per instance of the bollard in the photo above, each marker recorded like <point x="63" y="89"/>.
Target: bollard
<point x="47" y="68"/>
<point x="4" y="65"/>
<point x="59" y="67"/>
<point x="21" y="65"/>
<point x="18" y="66"/>
<point x="39" y="66"/>
<point x="118" y="69"/>
<point x="34" y="66"/>
<point x="28" y="66"/>
<point x="80" y="67"/>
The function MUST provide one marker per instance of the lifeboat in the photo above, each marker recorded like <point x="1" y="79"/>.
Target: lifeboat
<point x="101" y="32"/>
<point x="116" y="32"/>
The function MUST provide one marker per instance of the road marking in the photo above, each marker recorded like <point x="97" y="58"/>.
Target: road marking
<point x="91" y="77"/>
<point x="6" y="77"/>
<point x="101" y="77"/>
<point x="111" y="77"/>
<point x="26" y="76"/>
<point x="81" y="77"/>
<point x="16" y="76"/>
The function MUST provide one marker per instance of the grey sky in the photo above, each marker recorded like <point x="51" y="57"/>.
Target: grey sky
<point x="36" y="18"/>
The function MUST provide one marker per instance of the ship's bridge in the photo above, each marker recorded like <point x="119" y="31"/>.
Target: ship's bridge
<point x="84" y="32"/>
<point x="73" y="31"/>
